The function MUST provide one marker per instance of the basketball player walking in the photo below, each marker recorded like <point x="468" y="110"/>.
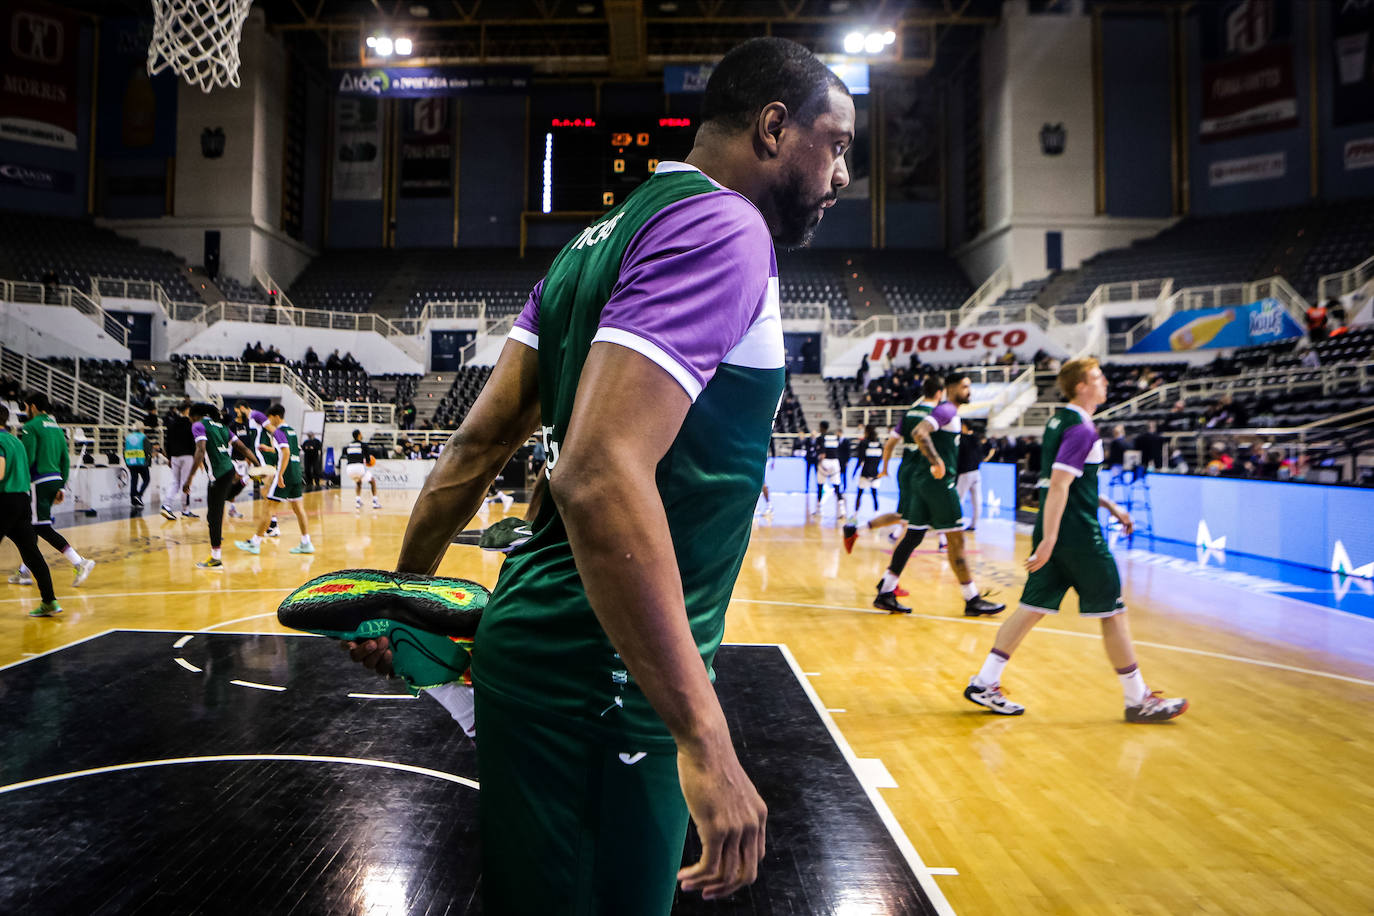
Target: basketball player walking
<point x="45" y="445"/>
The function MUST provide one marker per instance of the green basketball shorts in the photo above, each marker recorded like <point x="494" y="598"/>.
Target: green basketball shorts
<point x="1090" y="571"/>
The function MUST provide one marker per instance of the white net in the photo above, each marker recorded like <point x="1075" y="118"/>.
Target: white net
<point x="199" y="39"/>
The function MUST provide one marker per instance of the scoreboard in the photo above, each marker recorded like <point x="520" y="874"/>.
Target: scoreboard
<point x="591" y="164"/>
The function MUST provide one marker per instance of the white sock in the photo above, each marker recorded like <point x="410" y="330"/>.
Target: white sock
<point x="255" y="540"/>
<point x="215" y="553"/>
<point x="23" y="570"/>
<point x="970" y="590"/>
<point x="1133" y="686"/>
<point x="457" y="699"/>
<point x="991" y="672"/>
<point x="305" y="540"/>
<point x="889" y="582"/>
<point x="71" y="554"/>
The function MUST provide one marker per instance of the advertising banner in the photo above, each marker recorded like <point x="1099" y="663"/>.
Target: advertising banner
<point x="36" y="179"/>
<point x="1359" y="154"/>
<point x="38" y="52"/>
<point x="1352" y="62"/>
<point x="357" y="149"/>
<point x="429" y="82"/>
<point x="950" y="347"/>
<point x="427" y="148"/>
<point x="1214" y="329"/>
<point x="1247" y="69"/>
<point x="1249" y="168"/>
<point x="137" y="113"/>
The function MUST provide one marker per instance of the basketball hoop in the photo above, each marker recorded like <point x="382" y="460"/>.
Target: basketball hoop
<point x="198" y="39"/>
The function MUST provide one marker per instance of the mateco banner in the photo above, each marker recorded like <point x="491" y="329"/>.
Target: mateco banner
<point x="950" y="347"/>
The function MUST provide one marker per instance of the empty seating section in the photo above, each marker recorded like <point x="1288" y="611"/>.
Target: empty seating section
<point x="73" y="251"/>
<point x="813" y="277"/>
<point x="918" y="281"/>
<point x="111" y="376"/>
<point x="1195" y="252"/>
<point x="330" y="384"/>
<point x="344" y="281"/>
<point x="454" y="406"/>
<point x="1347" y="239"/>
<point x="234" y="291"/>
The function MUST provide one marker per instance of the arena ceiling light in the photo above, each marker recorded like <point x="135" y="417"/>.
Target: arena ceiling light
<point x="385" y="46"/>
<point x="869" y="42"/>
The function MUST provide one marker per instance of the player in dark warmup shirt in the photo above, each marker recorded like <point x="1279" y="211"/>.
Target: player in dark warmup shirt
<point x="868" y="464"/>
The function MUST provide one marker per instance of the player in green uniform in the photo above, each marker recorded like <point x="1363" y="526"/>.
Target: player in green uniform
<point x="1069" y="552"/>
<point x="281" y="450"/>
<point x="652" y="356"/>
<point x="49" y="466"/>
<point x="215" y="446"/>
<point x="15" y="519"/>
<point x="927" y="499"/>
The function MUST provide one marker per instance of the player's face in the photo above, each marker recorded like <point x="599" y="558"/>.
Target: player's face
<point x="960" y="393"/>
<point x="1096" y="383"/>
<point x="813" y="172"/>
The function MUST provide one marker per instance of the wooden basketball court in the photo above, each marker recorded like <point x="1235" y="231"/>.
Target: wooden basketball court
<point x="1258" y="800"/>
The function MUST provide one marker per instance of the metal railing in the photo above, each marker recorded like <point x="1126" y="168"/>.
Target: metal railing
<point x="360" y="412"/>
<point x="215" y="370"/>
<point x="1124" y="341"/>
<point x="892" y="324"/>
<point x="1267" y="380"/>
<point x="147" y="290"/>
<point x="24" y="293"/>
<point x="989" y="292"/>
<point x="1333" y="286"/>
<point x="66" y="391"/>
<point x="804" y="311"/>
<point x="1337" y="431"/>
<point x="107" y="441"/>
<point x="1107" y="293"/>
<point x="1223" y="294"/>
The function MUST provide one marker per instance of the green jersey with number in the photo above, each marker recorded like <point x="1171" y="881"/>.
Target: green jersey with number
<point x="1071" y="444"/>
<point x="683" y="273"/>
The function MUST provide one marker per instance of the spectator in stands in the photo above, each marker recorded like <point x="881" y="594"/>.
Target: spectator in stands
<point x="1116" y="449"/>
<point x="1227" y="413"/>
<point x="408" y="415"/>
<point x="1309" y="359"/>
<point x="862" y="375"/>
<point x="247" y="356"/>
<point x="350" y="363"/>
<point x="312" y="460"/>
<point x="311" y="357"/>
<point x="1008" y="358"/>
<point x="1150" y="444"/>
<point x="333" y="362"/>
<point x="1219" y="461"/>
<point x="1030" y="447"/>
<point x="273" y="355"/>
<point x="1316" y="321"/>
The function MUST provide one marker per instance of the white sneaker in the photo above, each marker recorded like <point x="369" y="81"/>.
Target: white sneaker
<point x="993" y="698"/>
<point x="376" y="503"/>
<point x="83" y="572"/>
<point x="1157" y="708"/>
<point x="506" y="501"/>
<point x="358" y="502"/>
<point x="19" y="577"/>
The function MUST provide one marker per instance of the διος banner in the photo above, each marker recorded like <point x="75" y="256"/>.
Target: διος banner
<point x="38" y="52"/>
<point x="1214" y="329"/>
<point x="429" y="82"/>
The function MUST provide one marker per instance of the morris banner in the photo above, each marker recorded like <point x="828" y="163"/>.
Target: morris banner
<point x="38" y="69"/>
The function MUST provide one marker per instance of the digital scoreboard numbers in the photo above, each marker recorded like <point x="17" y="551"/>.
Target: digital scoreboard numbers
<point x="594" y="165"/>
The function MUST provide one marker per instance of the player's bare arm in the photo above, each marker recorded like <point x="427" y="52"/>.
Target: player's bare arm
<point x="1055" y="501"/>
<point x="888" y="448"/>
<point x="1120" y="514"/>
<point x="505" y="415"/>
<point x="927" y="447"/>
<point x="605" y="487"/>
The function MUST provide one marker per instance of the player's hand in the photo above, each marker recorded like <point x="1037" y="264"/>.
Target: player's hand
<point x="731" y="820"/>
<point x="59" y="496"/>
<point x="937" y="470"/>
<point x="881" y="475"/>
<point x="373" y="654"/>
<point x="1040" y="557"/>
<point x="1124" y="517"/>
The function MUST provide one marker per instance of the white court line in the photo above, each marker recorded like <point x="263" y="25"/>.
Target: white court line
<point x="944" y="871"/>
<point x="244" y="758"/>
<point x="913" y="858"/>
<point x="382" y="696"/>
<point x="812" y="673"/>
<point x="257" y="686"/>
<point x="1278" y="666"/>
<point x="836" y="710"/>
<point x="74" y="642"/>
<point x="187" y="665"/>
<point x="186" y="591"/>
<point x="183" y="641"/>
<point x="226" y="623"/>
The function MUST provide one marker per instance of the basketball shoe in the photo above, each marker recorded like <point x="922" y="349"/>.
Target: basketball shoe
<point x="851" y="535"/>
<point x="248" y="547"/>
<point x="19" y="577"/>
<point x="168" y="514"/>
<point x="979" y="606"/>
<point x="993" y="698"/>
<point x="1157" y="708"/>
<point x="46" y="609"/>
<point x="427" y="620"/>
<point x="211" y="563"/>
<point x="505" y="535"/>
<point x="82" y="572"/>
<point x="887" y="601"/>
<point x="303" y="548"/>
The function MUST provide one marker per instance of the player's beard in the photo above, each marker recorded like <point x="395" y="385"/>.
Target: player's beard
<point x="796" y="216"/>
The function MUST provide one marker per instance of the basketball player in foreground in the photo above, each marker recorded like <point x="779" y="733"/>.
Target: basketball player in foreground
<point x="1069" y="552"/>
<point x="652" y="356"/>
<point x="45" y="445"/>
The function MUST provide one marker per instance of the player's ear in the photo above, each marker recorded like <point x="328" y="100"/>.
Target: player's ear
<point x="771" y="121"/>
